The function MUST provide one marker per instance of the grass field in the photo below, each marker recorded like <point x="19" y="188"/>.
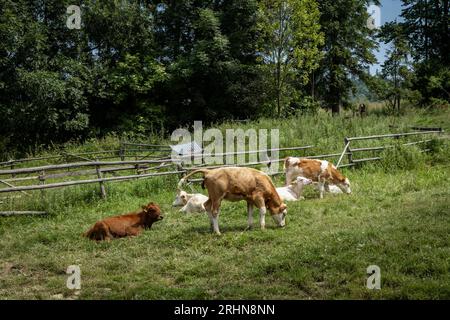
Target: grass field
<point x="398" y="218"/>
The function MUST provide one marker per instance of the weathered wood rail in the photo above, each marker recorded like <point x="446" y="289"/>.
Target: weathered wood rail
<point x="126" y="150"/>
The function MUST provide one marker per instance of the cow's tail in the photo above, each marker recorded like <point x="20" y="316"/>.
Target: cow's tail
<point x="184" y="179"/>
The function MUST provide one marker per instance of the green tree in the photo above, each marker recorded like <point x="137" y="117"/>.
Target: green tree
<point x="290" y="42"/>
<point x="396" y="68"/>
<point x="209" y="51"/>
<point x="348" y="49"/>
<point x="426" y="26"/>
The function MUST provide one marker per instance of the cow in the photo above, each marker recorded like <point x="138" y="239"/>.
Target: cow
<point x="131" y="224"/>
<point x="293" y="191"/>
<point x="236" y="184"/>
<point x="320" y="171"/>
<point x="332" y="188"/>
<point x="190" y="202"/>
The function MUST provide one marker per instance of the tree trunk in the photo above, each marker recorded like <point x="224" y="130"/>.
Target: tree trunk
<point x="335" y="109"/>
<point x="336" y="104"/>
<point x="278" y="84"/>
<point x="278" y="104"/>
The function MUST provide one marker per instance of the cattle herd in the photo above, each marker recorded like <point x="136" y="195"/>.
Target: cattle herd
<point x="233" y="184"/>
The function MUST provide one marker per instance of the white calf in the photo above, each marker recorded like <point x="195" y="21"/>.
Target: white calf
<point x="191" y="202"/>
<point x="293" y="192"/>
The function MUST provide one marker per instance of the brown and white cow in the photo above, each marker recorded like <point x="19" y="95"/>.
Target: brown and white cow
<point x="235" y="184"/>
<point x="321" y="171"/>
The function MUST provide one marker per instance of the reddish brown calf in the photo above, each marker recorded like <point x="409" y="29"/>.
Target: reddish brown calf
<point x="130" y="224"/>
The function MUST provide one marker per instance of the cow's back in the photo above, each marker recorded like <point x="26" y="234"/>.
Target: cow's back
<point x="238" y="180"/>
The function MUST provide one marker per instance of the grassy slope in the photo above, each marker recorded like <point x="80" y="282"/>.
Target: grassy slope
<point x="397" y="220"/>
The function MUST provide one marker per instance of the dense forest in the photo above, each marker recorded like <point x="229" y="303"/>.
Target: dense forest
<point x="156" y="65"/>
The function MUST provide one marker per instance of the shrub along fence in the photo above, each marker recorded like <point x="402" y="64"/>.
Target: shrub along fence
<point x="165" y="166"/>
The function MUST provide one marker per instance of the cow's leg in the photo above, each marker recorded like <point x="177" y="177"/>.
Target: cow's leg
<point x="321" y="186"/>
<point x="184" y="209"/>
<point x="133" y="231"/>
<point x="262" y="217"/>
<point x="250" y="215"/>
<point x="208" y="208"/>
<point x="215" y="222"/>
<point x="259" y="202"/>
<point x="215" y="216"/>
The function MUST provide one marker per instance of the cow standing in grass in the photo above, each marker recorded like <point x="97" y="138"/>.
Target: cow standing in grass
<point x="320" y="171"/>
<point x="235" y="184"/>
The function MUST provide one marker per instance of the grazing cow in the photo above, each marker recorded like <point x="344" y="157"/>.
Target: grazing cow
<point x="293" y="192"/>
<point x="320" y="171"/>
<point x="130" y="224"/>
<point x="235" y="184"/>
<point x="190" y="202"/>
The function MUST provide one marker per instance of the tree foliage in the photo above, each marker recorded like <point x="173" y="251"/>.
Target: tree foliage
<point x="348" y="49"/>
<point x="141" y="65"/>
<point x="290" y="43"/>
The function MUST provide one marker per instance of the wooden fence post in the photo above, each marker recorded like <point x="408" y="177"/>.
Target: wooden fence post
<point x="13" y="175"/>
<point x="102" y="183"/>
<point x="42" y="182"/>
<point x="343" y="153"/>
<point x="122" y="151"/>
<point x="350" y="154"/>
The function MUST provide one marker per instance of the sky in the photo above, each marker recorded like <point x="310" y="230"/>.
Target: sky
<point x="390" y="10"/>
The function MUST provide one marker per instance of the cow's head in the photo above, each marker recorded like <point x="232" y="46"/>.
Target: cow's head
<point x="152" y="213"/>
<point x="302" y="181"/>
<point x="180" y="199"/>
<point x="344" y="185"/>
<point x="279" y="214"/>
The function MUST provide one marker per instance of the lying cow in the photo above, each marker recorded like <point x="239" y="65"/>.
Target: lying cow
<point x="332" y="188"/>
<point x="130" y="224"/>
<point x="235" y="184"/>
<point x="293" y="192"/>
<point x="190" y="202"/>
<point x="320" y="171"/>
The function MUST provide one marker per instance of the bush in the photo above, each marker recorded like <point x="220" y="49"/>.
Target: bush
<point x="402" y="157"/>
<point x="302" y="106"/>
<point x="439" y="151"/>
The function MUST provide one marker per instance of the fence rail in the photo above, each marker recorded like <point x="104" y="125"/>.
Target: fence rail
<point x="123" y="152"/>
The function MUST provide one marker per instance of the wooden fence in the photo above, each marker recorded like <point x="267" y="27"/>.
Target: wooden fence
<point x="99" y="168"/>
<point x="138" y="151"/>
<point x="165" y="166"/>
<point x="351" y="152"/>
